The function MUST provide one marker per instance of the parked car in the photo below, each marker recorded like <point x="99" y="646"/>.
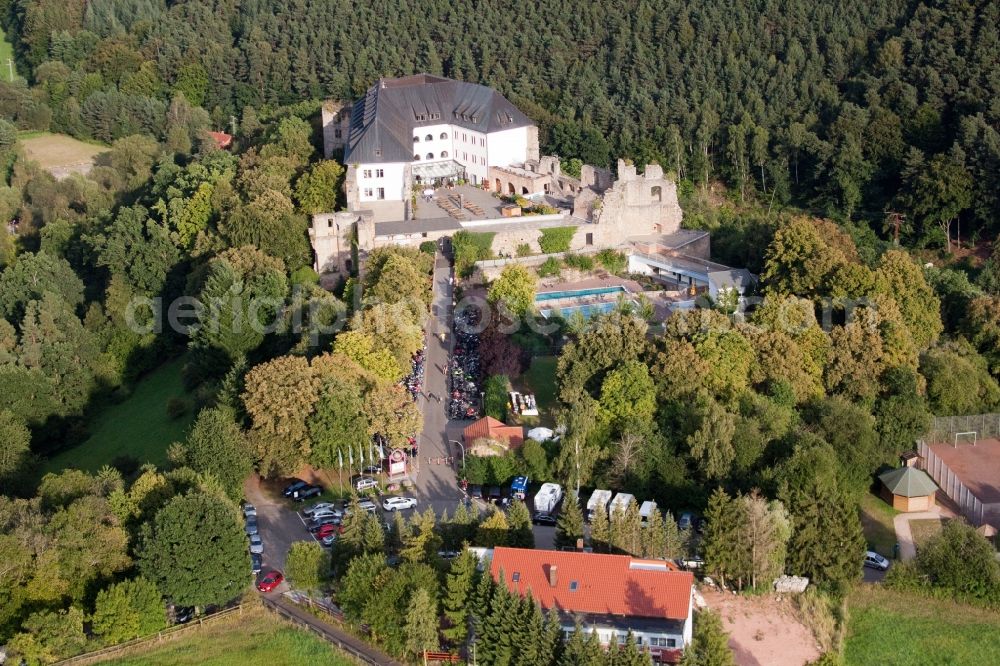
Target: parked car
<point x="271" y="580"/>
<point x="319" y="506"/>
<point x="319" y="524"/>
<point x="303" y="494"/>
<point x="251" y="526"/>
<point x="448" y="554"/>
<point x="542" y="518"/>
<point x="693" y="563"/>
<point x="363" y="483"/>
<point x="398" y="503"/>
<point x="183" y="614"/>
<point x="256" y="544"/>
<point x="249" y="509"/>
<point x="324" y="513"/>
<point x="876" y="561"/>
<point x="328" y="540"/>
<point x="256" y="563"/>
<point x="476" y="492"/>
<point x="373" y="469"/>
<point x="686" y="521"/>
<point x="326" y="530"/>
<point x="495" y="493"/>
<point x="295" y="485"/>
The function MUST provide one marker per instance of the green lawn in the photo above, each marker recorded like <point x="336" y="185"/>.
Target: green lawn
<point x="6" y="53"/>
<point x="876" y="521"/>
<point x="541" y="378"/>
<point x="924" y="529"/>
<point x="893" y="628"/>
<point x="138" y="427"/>
<point x="256" y="638"/>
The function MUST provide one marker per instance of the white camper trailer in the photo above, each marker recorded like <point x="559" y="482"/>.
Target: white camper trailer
<point x="547" y="497"/>
<point x="621" y="502"/>
<point x="598" y="500"/>
<point x="646" y="510"/>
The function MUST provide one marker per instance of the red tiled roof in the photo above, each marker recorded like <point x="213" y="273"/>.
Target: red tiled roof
<point x="493" y="429"/>
<point x="606" y="584"/>
<point x="222" y="140"/>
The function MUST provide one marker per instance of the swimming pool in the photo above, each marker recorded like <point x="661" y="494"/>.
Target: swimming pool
<point x="596" y="291"/>
<point x="587" y="311"/>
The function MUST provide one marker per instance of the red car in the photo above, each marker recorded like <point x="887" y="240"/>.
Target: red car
<point x="327" y="530"/>
<point x="271" y="580"/>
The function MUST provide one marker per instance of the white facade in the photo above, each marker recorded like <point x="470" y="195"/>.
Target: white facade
<point x="507" y="147"/>
<point x="381" y="182"/>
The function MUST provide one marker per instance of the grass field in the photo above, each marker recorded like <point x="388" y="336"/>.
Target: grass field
<point x="60" y="154"/>
<point x="876" y="521"/>
<point x="893" y="628"/>
<point x="6" y="53"/>
<point x="541" y="377"/>
<point x="922" y="530"/>
<point x="254" y="639"/>
<point x="137" y="427"/>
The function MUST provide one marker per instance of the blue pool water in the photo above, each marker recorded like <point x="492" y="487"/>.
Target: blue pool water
<point x="587" y="311"/>
<point x="552" y="295"/>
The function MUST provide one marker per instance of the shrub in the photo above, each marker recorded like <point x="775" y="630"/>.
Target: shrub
<point x="429" y="247"/>
<point x="550" y="267"/>
<point x="579" y="262"/>
<point x="176" y="408"/>
<point x="556" y="239"/>
<point x="470" y="247"/>
<point x="524" y="250"/>
<point x="614" y="261"/>
<point x="304" y="276"/>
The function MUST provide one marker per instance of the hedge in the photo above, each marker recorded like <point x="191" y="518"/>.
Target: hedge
<point x="556" y="239"/>
<point x="470" y="247"/>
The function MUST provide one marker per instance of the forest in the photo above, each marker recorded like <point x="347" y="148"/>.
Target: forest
<point x="851" y="108"/>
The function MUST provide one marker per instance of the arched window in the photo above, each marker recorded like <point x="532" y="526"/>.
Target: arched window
<point x="429" y="137"/>
<point x="416" y="158"/>
<point x="430" y="156"/>
<point x="444" y="135"/>
<point x="444" y="153"/>
<point x="656" y="193"/>
<point x="416" y="139"/>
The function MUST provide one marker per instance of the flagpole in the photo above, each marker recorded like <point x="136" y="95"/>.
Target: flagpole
<point x="340" y="459"/>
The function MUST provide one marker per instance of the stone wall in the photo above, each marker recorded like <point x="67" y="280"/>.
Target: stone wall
<point x="331" y="235"/>
<point x="637" y="205"/>
<point x="336" y="119"/>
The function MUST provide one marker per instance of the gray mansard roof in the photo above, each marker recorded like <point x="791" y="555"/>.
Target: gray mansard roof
<point x="382" y="122"/>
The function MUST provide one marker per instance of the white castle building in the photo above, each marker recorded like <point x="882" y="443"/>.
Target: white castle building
<point x="424" y="130"/>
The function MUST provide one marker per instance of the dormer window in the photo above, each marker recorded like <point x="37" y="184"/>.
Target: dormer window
<point x="444" y="153"/>
<point x="416" y="158"/>
<point x="444" y="135"/>
<point x="416" y="139"/>
<point x="429" y="137"/>
<point x="430" y="156"/>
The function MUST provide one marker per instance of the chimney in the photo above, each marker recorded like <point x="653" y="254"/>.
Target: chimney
<point x="579" y="544"/>
<point x="552" y="575"/>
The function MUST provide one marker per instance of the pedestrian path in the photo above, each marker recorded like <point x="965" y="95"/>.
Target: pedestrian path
<point x="904" y="536"/>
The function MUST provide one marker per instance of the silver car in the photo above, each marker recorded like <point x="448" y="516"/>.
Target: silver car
<point x="319" y="506"/>
<point x="398" y="503"/>
<point x="251" y="526"/>
<point x="256" y="544"/>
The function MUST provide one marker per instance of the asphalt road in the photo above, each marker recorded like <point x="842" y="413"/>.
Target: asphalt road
<point x="437" y="484"/>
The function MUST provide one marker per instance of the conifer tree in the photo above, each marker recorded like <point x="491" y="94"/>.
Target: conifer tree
<point x="710" y="644"/>
<point x="722" y="543"/>
<point x="421" y="539"/>
<point x="569" y="527"/>
<point x="421" y="623"/>
<point x="494" y="531"/>
<point x="654" y="538"/>
<point x="675" y="540"/>
<point x="550" y="642"/>
<point x="532" y="648"/>
<point x="373" y="535"/>
<point x="481" y="601"/>
<point x="631" y="655"/>
<point x="519" y="522"/>
<point x="459" y="585"/>
<point x="600" y="531"/>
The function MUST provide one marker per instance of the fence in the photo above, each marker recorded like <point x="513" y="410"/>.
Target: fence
<point x="166" y="634"/>
<point x="970" y="505"/>
<point x="320" y="631"/>
<point x="944" y="428"/>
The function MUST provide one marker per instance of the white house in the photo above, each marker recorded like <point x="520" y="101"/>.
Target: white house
<point x="426" y="129"/>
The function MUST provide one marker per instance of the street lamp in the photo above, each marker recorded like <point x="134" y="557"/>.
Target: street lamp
<point x="463" y="451"/>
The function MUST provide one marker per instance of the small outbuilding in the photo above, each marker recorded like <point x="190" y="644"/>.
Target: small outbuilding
<point x="908" y="489"/>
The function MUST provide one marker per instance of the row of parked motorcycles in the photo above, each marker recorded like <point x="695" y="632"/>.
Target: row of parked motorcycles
<point x="414" y="382"/>
<point x="464" y="367"/>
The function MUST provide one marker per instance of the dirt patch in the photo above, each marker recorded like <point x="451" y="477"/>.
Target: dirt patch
<point x="61" y="155"/>
<point x="764" y="631"/>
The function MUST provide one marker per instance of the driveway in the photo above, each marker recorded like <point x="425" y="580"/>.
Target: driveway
<point x="279" y="523"/>
<point x="437" y="484"/>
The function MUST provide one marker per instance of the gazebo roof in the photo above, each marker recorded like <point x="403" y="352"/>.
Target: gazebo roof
<point x="908" y="482"/>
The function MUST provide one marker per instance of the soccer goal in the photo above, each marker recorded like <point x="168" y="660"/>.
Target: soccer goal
<point x="968" y="436"/>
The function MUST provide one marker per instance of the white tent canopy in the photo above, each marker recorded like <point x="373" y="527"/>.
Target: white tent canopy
<point x="541" y="434"/>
